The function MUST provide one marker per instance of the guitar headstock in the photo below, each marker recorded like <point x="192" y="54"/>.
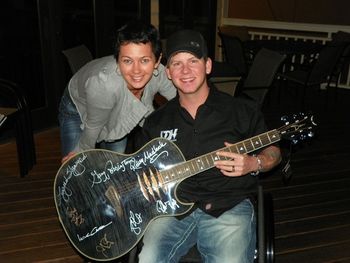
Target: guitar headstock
<point x="297" y="127"/>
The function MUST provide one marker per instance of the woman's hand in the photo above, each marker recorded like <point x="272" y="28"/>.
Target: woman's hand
<point x="68" y="156"/>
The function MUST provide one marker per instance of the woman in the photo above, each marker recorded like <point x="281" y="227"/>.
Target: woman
<point x="108" y="97"/>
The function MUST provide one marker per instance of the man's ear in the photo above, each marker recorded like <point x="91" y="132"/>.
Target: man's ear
<point x="167" y="72"/>
<point x="208" y="66"/>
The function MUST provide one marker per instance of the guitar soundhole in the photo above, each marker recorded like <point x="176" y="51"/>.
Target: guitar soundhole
<point x="114" y="197"/>
<point x="151" y="184"/>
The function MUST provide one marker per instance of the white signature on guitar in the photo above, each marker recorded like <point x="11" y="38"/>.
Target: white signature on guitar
<point x="162" y="207"/>
<point x="93" y="231"/>
<point x="132" y="163"/>
<point x="98" y="178"/>
<point x="135" y="220"/>
<point x="76" y="169"/>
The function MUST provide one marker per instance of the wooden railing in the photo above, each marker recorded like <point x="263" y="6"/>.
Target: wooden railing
<point x="318" y="33"/>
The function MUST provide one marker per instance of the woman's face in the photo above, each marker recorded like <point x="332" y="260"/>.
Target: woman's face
<point x="136" y="64"/>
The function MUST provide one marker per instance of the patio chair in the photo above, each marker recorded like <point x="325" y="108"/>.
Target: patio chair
<point x="20" y="121"/>
<point x="342" y="67"/>
<point x="315" y="71"/>
<point x="77" y="57"/>
<point x="233" y="53"/>
<point x="261" y="75"/>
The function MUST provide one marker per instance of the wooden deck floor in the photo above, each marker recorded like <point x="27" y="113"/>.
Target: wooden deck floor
<point x="312" y="213"/>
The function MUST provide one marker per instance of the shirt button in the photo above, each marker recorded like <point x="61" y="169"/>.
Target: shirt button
<point x="208" y="206"/>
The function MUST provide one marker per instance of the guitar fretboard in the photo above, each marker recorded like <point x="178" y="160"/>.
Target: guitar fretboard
<point x="205" y="162"/>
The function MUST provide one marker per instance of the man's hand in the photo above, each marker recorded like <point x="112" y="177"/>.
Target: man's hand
<point x="241" y="164"/>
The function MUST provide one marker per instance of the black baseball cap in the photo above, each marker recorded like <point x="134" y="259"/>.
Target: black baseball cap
<point x="186" y="41"/>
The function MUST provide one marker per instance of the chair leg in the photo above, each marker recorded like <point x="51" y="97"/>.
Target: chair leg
<point x="261" y="226"/>
<point x="265" y="227"/>
<point x="133" y="255"/>
<point x="21" y="148"/>
<point x="31" y="154"/>
<point x="269" y="228"/>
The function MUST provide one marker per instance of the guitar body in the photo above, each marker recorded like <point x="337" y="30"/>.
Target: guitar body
<point x="106" y="200"/>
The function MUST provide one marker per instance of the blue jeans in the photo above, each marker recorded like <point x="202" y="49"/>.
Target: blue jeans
<point x="230" y="238"/>
<point x="70" y="128"/>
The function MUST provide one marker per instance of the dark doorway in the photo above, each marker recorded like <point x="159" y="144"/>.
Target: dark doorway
<point x="20" y="53"/>
<point x="33" y="34"/>
<point x="189" y="14"/>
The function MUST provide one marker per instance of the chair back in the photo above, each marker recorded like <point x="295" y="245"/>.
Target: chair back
<point x="233" y="52"/>
<point x="326" y="62"/>
<point x="13" y="96"/>
<point x="77" y="57"/>
<point x="261" y="74"/>
<point x="343" y="64"/>
<point x="341" y="36"/>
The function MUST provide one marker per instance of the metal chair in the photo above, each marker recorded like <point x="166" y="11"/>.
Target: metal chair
<point x="233" y="53"/>
<point x="261" y="75"/>
<point x="315" y="71"/>
<point x="342" y="67"/>
<point x="77" y="57"/>
<point x="234" y="62"/>
<point x="20" y="121"/>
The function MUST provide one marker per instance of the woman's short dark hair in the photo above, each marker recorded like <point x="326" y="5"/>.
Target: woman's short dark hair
<point x="138" y="32"/>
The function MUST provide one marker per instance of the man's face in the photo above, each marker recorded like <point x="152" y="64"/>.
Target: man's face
<point x="188" y="72"/>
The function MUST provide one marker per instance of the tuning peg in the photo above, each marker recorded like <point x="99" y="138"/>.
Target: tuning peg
<point x="310" y="134"/>
<point x="295" y="141"/>
<point x="285" y="119"/>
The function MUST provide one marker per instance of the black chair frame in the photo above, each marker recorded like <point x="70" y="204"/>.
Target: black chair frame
<point x="20" y="120"/>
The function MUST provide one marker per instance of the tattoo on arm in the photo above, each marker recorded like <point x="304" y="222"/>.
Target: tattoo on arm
<point x="273" y="154"/>
<point x="273" y="157"/>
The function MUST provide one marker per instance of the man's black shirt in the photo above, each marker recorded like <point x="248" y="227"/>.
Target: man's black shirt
<point x="222" y="118"/>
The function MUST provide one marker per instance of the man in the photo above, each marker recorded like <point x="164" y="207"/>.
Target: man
<point x="201" y="120"/>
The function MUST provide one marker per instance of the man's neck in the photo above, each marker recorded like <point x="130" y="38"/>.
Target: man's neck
<point x="191" y="102"/>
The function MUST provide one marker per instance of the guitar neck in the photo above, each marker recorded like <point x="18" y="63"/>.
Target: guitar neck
<point x="205" y="162"/>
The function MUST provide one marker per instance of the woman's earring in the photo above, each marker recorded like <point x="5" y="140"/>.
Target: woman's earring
<point x="118" y="71"/>
<point x="155" y="72"/>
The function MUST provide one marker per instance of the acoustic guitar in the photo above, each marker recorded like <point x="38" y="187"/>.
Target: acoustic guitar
<point x="106" y="200"/>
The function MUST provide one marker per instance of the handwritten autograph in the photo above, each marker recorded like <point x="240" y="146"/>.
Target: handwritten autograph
<point x="162" y="207"/>
<point x="132" y="163"/>
<point x="76" y="218"/>
<point x="93" y="232"/>
<point x="104" y="245"/>
<point x="77" y="169"/>
<point x="135" y="219"/>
